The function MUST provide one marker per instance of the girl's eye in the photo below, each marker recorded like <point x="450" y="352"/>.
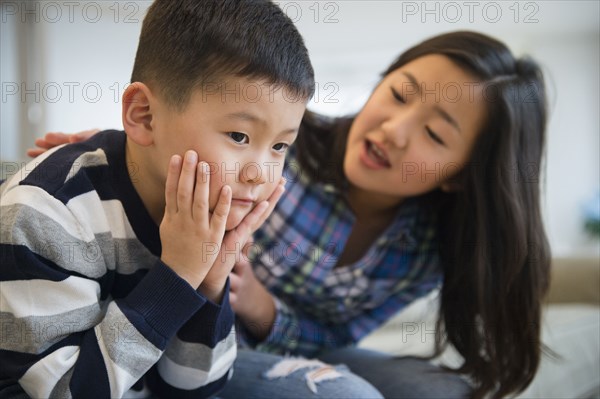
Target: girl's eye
<point x="434" y="136"/>
<point x="398" y="96"/>
<point x="280" y="147"/>
<point x="239" y="138"/>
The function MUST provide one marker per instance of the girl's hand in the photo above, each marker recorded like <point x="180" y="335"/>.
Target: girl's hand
<point x="250" y="300"/>
<point x="53" y="139"/>
<point x="190" y="235"/>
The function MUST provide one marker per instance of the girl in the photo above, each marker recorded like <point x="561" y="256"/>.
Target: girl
<point x="432" y="184"/>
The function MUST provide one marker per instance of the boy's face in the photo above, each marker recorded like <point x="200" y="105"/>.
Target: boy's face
<point x="242" y="129"/>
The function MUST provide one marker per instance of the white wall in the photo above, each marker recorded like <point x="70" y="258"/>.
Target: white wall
<point x="76" y="48"/>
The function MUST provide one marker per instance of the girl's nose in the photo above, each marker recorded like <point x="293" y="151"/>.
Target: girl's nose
<point x="397" y="130"/>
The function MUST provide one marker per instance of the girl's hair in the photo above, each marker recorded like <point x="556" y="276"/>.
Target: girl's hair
<point x="494" y="251"/>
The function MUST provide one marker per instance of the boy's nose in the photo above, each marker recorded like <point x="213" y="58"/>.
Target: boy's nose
<point x="253" y="174"/>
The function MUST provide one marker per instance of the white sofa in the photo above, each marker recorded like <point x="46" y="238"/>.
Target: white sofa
<point x="571" y="328"/>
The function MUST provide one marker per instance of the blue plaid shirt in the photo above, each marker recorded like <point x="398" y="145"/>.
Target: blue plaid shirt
<point x="321" y="306"/>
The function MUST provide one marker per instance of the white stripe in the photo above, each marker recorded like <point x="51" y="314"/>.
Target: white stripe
<point x="183" y="377"/>
<point x="117" y="219"/>
<point x="101" y="216"/>
<point x="88" y="207"/>
<point x="25" y="298"/>
<point x="49" y="206"/>
<point x="40" y="379"/>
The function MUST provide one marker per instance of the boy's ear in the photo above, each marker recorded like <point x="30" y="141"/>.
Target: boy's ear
<point x="138" y="111"/>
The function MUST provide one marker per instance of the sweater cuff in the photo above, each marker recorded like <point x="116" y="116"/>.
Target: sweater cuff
<point x="160" y="304"/>
<point x="211" y="324"/>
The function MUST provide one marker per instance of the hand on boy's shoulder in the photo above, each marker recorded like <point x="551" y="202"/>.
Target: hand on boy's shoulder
<point x="53" y="139"/>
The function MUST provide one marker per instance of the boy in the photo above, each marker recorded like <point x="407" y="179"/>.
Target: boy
<point x="96" y="298"/>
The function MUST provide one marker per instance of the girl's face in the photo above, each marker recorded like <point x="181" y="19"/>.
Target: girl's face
<point x="416" y="131"/>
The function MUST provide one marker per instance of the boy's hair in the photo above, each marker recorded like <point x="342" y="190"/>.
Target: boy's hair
<point x="186" y="44"/>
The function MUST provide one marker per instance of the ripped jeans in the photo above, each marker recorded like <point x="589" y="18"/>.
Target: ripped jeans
<point x="250" y="380"/>
<point x="387" y="376"/>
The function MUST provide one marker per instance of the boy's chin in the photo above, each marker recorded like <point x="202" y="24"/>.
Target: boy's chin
<point x="234" y="219"/>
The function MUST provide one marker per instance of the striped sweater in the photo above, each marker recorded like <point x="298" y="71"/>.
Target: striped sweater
<point x="87" y="309"/>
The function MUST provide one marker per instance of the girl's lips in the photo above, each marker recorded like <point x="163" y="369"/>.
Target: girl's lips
<point x="373" y="157"/>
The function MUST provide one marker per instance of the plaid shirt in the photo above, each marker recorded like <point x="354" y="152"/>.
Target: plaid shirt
<point x="319" y="305"/>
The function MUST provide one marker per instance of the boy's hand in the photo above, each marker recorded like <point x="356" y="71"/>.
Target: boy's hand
<point x="230" y="253"/>
<point x="250" y="300"/>
<point x="52" y="139"/>
<point x="273" y="199"/>
<point x="191" y="237"/>
<point x="234" y="241"/>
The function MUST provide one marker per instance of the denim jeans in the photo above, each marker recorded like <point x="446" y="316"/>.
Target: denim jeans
<point x="248" y="381"/>
<point x="400" y="377"/>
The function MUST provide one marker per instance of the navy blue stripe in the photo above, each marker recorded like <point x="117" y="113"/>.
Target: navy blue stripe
<point x="123" y="284"/>
<point x="14" y="364"/>
<point x="20" y="263"/>
<point x="80" y="183"/>
<point x="90" y="378"/>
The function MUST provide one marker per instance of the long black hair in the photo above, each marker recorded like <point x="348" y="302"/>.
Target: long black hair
<point x="494" y="251"/>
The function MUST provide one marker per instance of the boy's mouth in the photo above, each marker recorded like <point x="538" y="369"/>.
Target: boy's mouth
<point x="242" y="201"/>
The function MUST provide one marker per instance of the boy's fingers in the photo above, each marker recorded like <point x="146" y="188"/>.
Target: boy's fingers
<point x="232" y="298"/>
<point x="234" y="281"/>
<point x="239" y="267"/>
<point x="246" y="227"/>
<point x="273" y="199"/>
<point x="221" y="211"/>
<point x="247" y="247"/>
<point x="200" y="208"/>
<point x="173" y="173"/>
<point x="187" y="179"/>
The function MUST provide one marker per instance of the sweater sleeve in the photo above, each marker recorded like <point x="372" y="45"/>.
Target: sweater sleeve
<point x="198" y="360"/>
<point x="62" y="336"/>
<point x="297" y="333"/>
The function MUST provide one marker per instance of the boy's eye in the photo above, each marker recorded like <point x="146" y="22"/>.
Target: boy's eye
<point x="398" y="96"/>
<point x="280" y="147"/>
<point x="240" y="138"/>
<point x="434" y="136"/>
